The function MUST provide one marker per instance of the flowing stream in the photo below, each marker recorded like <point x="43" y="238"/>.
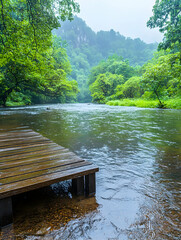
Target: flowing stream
<point x="138" y="152"/>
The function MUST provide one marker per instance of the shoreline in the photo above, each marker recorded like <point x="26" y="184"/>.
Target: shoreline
<point x="142" y="103"/>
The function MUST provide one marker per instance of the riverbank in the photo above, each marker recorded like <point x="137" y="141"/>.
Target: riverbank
<point x="171" y="103"/>
<point x="142" y="103"/>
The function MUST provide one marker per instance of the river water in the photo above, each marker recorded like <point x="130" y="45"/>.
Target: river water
<point x="138" y="152"/>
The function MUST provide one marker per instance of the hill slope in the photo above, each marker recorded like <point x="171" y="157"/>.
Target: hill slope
<point x="86" y="49"/>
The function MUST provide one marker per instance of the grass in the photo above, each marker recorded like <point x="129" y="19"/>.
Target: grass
<point x="171" y="103"/>
<point x="174" y="103"/>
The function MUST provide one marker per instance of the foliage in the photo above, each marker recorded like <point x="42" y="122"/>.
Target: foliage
<point x="163" y="77"/>
<point x="101" y="45"/>
<point x="27" y="61"/>
<point x="107" y="76"/>
<point x="155" y="79"/>
<point x="104" y="86"/>
<point x="130" y="89"/>
<point x="174" y="103"/>
<point x="86" y="49"/>
<point x="160" y="79"/>
<point x="167" y="16"/>
<point x="134" y="103"/>
<point x="115" y="65"/>
<point x="18" y="99"/>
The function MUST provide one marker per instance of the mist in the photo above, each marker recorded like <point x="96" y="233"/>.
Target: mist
<point x="129" y="17"/>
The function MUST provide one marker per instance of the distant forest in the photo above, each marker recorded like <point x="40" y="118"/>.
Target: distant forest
<point x="85" y="49"/>
<point x="54" y="57"/>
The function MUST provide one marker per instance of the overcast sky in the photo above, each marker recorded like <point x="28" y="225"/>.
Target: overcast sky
<point x="128" y="17"/>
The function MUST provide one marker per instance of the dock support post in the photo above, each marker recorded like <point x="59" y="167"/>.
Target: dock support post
<point x="6" y="212"/>
<point x="90" y="184"/>
<point x="78" y="186"/>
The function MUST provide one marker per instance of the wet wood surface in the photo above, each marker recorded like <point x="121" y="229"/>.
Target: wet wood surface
<point x="29" y="161"/>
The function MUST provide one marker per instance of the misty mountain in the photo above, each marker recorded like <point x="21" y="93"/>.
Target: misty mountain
<point x="106" y="43"/>
<point x="86" y="49"/>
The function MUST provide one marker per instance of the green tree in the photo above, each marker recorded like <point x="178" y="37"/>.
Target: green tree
<point x="155" y="78"/>
<point x="130" y="89"/>
<point x="104" y="86"/>
<point x="162" y="78"/>
<point x="115" y="65"/>
<point x="86" y="49"/>
<point x="25" y="40"/>
<point x="167" y="16"/>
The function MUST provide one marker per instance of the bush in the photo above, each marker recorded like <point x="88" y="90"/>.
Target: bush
<point x="171" y="103"/>
<point x="18" y="99"/>
<point x="174" y="103"/>
<point x="134" y="103"/>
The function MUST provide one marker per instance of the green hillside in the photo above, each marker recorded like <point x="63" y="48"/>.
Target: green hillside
<point x="86" y="49"/>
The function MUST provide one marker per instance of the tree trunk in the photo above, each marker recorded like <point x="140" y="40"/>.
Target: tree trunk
<point x="161" y="105"/>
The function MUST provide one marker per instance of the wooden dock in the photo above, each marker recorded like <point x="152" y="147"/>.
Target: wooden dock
<point x="30" y="161"/>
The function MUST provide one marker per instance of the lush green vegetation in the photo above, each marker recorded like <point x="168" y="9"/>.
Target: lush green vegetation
<point x="107" y="78"/>
<point x="167" y="17"/>
<point x="34" y="65"/>
<point x="39" y="67"/>
<point x="155" y="83"/>
<point x="86" y="49"/>
<point x="158" y="82"/>
<point x="174" y="103"/>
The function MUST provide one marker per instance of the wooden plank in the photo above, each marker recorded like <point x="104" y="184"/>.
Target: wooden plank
<point x="15" y="128"/>
<point x="41" y="151"/>
<point x="33" y="158"/>
<point x="23" y="153"/>
<point x="24" y="144"/>
<point x="12" y="130"/>
<point x="19" y="128"/>
<point x="30" y="175"/>
<point x="17" y="134"/>
<point x="16" y="143"/>
<point x="37" y="158"/>
<point x="6" y="141"/>
<point x="39" y="166"/>
<point x="15" y="137"/>
<point x="29" y="161"/>
<point x="19" y="150"/>
<point x="35" y="183"/>
<point x="21" y="147"/>
<point x="23" y="164"/>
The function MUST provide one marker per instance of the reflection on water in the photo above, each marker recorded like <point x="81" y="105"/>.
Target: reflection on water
<point x="139" y="183"/>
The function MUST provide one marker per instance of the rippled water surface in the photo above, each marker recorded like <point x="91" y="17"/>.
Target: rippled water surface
<point x="138" y="152"/>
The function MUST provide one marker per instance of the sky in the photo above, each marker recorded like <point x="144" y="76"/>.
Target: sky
<point x="128" y="17"/>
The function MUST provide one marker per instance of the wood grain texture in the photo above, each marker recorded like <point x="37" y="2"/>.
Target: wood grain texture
<point x="30" y="161"/>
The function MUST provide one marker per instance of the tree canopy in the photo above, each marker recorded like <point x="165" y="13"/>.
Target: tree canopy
<point x="159" y="79"/>
<point x="107" y="76"/>
<point x="27" y="59"/>
<point x="167" y="17"/>
<point x="86" y="49"/>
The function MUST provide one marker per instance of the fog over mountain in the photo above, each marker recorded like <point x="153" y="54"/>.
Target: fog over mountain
<point x="86" y="48"/>
<point x="126" y="17"/>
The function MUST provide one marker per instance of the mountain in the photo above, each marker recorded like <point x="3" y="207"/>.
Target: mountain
<point x="86" y="49"/>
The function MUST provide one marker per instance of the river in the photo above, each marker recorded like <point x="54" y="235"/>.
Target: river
<point x="138" y="152"/>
